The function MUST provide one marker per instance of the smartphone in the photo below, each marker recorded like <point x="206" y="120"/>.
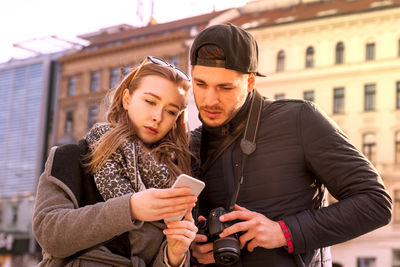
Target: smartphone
<point x="186" y="180"/>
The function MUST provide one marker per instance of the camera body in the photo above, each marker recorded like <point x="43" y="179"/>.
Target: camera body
<point x="226" y="250"/>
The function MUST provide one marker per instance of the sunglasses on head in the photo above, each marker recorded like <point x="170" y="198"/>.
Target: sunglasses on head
<point x="160" y="62"/>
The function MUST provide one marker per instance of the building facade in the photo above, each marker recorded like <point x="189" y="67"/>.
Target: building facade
<point x="26" y="89"/>
<point x="344" y="55"/>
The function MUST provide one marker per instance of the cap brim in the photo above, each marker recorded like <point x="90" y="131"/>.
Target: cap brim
<point x="260" y="74"/>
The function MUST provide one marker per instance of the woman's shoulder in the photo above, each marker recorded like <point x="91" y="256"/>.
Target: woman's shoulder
<point x="67" y="159"/>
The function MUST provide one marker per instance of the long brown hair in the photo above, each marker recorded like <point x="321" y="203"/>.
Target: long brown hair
<point x="172" y="150"/>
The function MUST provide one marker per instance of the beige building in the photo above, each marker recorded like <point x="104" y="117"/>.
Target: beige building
<point x="345" y="56"/>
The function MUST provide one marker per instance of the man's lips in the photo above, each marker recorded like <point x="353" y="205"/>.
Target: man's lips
<point x="212" y="113"/>
<point x="151" y="130"/>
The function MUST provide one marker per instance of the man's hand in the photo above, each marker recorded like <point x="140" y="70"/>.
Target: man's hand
<point x="259" y="230"/>
<point x="202" y="251"/>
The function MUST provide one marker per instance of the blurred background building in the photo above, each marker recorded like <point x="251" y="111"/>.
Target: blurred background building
<point x="344" y="55"/>
<point x="27" y="99"/>
<point x="24" y="113"/>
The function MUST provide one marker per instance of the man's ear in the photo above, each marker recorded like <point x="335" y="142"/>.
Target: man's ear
<point x="251" y="82"/>
<point x="126" y="97"/>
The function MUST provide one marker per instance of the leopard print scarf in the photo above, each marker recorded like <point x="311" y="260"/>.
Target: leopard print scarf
<point x="129" y="169"/>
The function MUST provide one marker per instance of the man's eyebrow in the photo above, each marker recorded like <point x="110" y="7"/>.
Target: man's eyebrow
<point x="198" y="80"/>
<point x="159" y="98"/>
<point x="220" y="84"/>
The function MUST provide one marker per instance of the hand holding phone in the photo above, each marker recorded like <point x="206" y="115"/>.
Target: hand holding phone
<point x="195" y="185"/>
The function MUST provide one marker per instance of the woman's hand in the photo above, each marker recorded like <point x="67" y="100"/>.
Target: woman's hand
<point x="157" y="204"/>
<point x="180" y="235"/>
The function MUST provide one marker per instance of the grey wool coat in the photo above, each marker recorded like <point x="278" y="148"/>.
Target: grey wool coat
<point x="62" y="227"/>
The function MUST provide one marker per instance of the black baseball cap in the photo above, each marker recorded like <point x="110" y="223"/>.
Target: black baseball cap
<point x="240" y="48"/>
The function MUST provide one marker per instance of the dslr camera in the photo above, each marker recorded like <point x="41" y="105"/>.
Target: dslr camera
<point x="226" y="250"/>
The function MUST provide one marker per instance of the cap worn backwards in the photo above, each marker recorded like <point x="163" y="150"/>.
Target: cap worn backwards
<point x="240" y="48"/>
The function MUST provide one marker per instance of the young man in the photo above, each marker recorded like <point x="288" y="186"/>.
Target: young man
<point x="279" y="213"/>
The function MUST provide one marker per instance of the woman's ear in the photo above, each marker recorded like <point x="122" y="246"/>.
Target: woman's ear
<point x="126" y="97"/>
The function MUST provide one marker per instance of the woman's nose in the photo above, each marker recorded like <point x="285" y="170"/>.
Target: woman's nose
<point x="157" y="116"/>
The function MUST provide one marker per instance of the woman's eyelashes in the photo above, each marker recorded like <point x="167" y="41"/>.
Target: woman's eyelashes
<point x="150" y="102"/>
<point x="171" y="112"/>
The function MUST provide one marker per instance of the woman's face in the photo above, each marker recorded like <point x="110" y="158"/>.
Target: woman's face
<point x="153" y="107"/>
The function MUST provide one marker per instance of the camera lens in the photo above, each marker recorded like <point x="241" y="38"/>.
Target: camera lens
<point x="226" y="250"/>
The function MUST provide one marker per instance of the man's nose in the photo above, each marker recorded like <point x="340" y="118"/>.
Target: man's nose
<point x="211" y="97"/>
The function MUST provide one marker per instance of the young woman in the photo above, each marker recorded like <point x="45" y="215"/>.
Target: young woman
<point x="102" y="202"/>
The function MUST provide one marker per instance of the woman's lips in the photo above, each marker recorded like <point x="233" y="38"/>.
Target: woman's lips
<point x="151" y="130"/>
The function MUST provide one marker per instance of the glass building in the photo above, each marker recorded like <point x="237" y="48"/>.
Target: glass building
<point x="27" y="88"/>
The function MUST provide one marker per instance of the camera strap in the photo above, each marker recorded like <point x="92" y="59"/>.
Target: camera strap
<point x="248" y="142"/>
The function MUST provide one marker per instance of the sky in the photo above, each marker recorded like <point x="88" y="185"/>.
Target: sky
<point x="22" y="21"/>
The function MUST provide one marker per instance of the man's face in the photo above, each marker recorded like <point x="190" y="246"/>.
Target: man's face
<point x="219" y="93"/>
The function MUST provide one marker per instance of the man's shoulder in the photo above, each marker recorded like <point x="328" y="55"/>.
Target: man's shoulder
<point x="285" y="105"/>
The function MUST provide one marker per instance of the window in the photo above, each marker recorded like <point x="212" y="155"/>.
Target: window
<point x="310" y="57"/>
<point x="174" y="61"/>
<point x="71" y="86"/>
<point x="338" y="100"/>
<point x="396" y="205"/>
<point x="369" y="146"/>
<point x="369" y="97"/>
<point x="396" y="258"/>
<point x="14" y="208"/>
<point x="308" y="95"/>
<point x="397" y="147"/>
<point x="279" y="96"/>
<point x="125" y="70"/>
<point x="370" y="51"/>
<point x="366" y="262"/>
<point x="93" y="111"/>
<point x="339" y="58"/>
<point x="69" y="123"/>
<point x="398" y="95"/>
<point x="1" y="212"/>
<point x="94" y="81"/>
<point x="398" y="48"/>
<point x="114" y="77"/>
<point x="280" y="63"/>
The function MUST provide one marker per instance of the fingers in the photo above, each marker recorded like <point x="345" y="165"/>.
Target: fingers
<point x="243" y="215"/>
<point x="181" y="234"/>
<point x="181" y="225"/>
<point x="189" y="216"/>
<point x="200" y="238"/>
<point x="174" y="192"/>
<point x="237" y="227"/>
<point x="237" y="207"/>
<point x="175" y="202"/>
<point x="201" y="218"/>
<point x="252" y="245"/>
<point x="203" y="252"/>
